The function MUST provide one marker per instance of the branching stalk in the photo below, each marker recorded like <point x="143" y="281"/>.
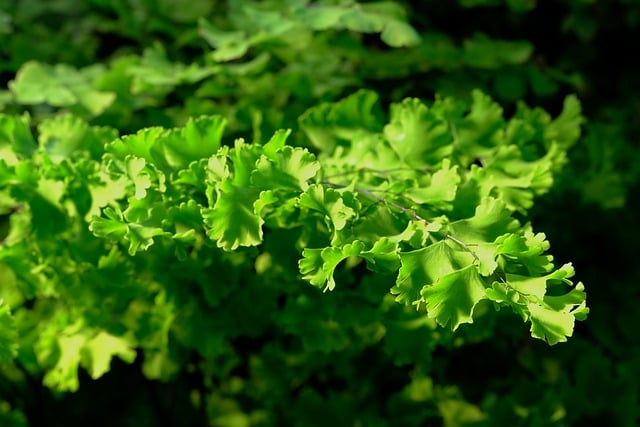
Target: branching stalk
<point x="410" y="212"/>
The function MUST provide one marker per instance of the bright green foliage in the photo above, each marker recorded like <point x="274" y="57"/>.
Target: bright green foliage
<point x="182" y="191"/>
<point x="268" y="23"/>
<point x="74" y="348"/>
<point x="468" y="251"/>
<point x="341" y="121"/>
<point x="419" y="136"/>
<point x="60" y="86"/>
<point x="260" y="64"/>
<point x="452" y="298"/>
<point x="8" y="335"/>
<point x="152" y="210"/>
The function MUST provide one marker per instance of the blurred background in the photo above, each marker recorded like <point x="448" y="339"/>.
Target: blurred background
<point x="130" y="64"/>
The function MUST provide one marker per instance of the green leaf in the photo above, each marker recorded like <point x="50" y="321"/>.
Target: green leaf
<point x="501" y="293"/>
<point x="140" y="237"/>
<point x="383" y="257"/>
<point x="329" y="202"/>
<point x="331" y="124"/>
<point x="195" y="175"/>
<point x="276" y="142"/>
<point x="74" y="348"/>
<point x="8" y="335"/>
<point x="138" y="226"/>
<point x="511" y="85"/>
<point x="424" y="267"/>
<point x="456" y="412"/>
<point x="229" y="45"/>
<point x="379" y="222"/>
<point x="491" y="219"/>
<point x="98" y="351"/>
<point x="218" y="168"/>
<point x="321" y="331"/>
<point x="437" y="188"/>
<point x="317" y="265"/>
<point x="527" y="250"/>
<point x="113" y="227"/>
<point x="537" y="286"/>
<point x="64" y="374"/>
<point x="199" y="138"/>
<point x="60" y="86"/>
<point x="565" y="130"/>
<point x="387" y="18"/>
<point x="244" y="158"/>
<point x="154" y="74"/>
<point x="479" y="132"/>
<point x="139" y="144"/>
<point x="483" y="52"/>
<point x="135" y="170"/>
<point x="452" y="299"/>
<point x="400" y="34"/>
<point x="186" y="214"/>
<point x="508" y="177"/>
<point x="48" y="216"/>
<point x="550" y="325"/>
<point x="16" y="140"/>
<point x="573" y="302"/>
<point x="63" y="135"/>
<point x="232" y="222"/>
<point x="552" y="317"/>
<point x="359" y="20"/>
<point x="479" y="3"/>
<point x="287" y="169"/>
<point x="419" y="136"/>
<point x="321" y="17"/>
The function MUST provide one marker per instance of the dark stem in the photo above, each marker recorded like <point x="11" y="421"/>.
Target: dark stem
<point x="410" y="212"/>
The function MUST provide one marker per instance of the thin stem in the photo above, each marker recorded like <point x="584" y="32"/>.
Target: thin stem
<point x="504" y="282"/>
<point x="454" y="131"/>
<point x="383" y="172"/>
<point x="415" y="216"/>
<point x="410" y="212"/>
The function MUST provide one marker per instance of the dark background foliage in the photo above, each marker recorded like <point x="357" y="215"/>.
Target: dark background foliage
<point x="585" y="47"/>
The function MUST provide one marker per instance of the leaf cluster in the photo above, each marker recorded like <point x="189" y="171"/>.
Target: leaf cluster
<point x="160" y="207"/>
<point x="363" y="267"/>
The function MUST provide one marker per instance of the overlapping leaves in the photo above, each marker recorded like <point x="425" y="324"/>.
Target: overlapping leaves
<point x="455" y="175"/>
<point x="449" y="176"/>
<point x="428" y="198"/>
